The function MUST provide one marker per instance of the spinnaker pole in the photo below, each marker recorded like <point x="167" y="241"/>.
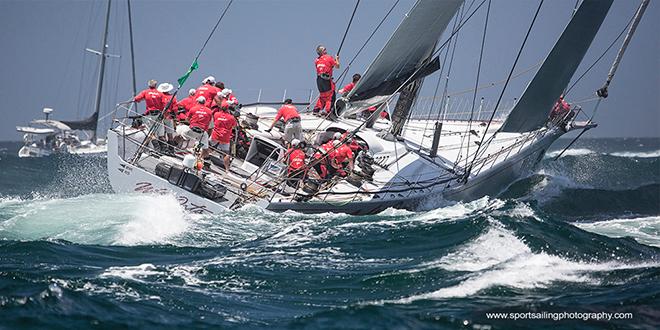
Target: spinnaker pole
<point x="602" y="92"/>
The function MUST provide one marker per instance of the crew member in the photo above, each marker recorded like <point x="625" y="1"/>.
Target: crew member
<point x="223" y="126"/>
<point x="560" y="109"/>
<point x="185" y="105"/>
<point x="207" y="90"/>
<point x="154" y="102"/>
<point x="292" y="128"/>
<point x="324" y="64"/>
<point x="342" y="158"/>
<point x="349" y="87"/>
<point x="200" y="121"/>
<point x="321" y="159"/>
<point x="169" y="113"/>
<point x="296" y="163"/>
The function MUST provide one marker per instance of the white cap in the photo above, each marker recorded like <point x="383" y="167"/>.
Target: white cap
<point x="192" y="91"/>
<point x="225" y="92"/>
<point x="295" y="142"/>
<point x="165" y="87"/>
<point x="336" y="136"/>
<point x="201" y="99"/>
<point x="208" y="79"/>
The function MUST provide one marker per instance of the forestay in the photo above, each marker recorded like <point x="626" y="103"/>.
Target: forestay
<point x="534" y="106"/>
<point x="406" y="53"/>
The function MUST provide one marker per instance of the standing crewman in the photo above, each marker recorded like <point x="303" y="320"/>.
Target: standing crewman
<point x="200" y="119"/>
<point x="170" y="112"/>
<point x="185" y="105"/>
<point x="295" y="163"/>
<point x="291" y="117"/>
<point x="223" y="127"/>
<point x="154" y="102"/>
<point x="349" y="87"/>
<point x="207" y="90"/>
<point x="324" y="65"/>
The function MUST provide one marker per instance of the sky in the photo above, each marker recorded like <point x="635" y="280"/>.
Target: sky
<point x="270" y="45"/>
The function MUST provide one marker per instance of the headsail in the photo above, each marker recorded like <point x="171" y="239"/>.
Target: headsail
<point x="407" y="51"/>
<point x="532" y="109"/>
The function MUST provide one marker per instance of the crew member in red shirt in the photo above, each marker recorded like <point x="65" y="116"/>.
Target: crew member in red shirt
<point x="324" y="64"/>
<point x="322" y="158"/>
<point x="223" y="127"/>
<point x="154" y="101"/>
<point x="207" y="90"/>
<point x="152" y="98"/>
<point x="185" y="105"/>
<point x="296" y="163"/>
<point x="200" y="119"/>
<point x="291" y="117"/>
<point x="169" y="113"/>
<point x="342" y="158"/>
<point x="349" y="87"/>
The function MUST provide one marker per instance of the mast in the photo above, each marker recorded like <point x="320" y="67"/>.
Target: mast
<point x="404" y="105"/>
<point x="102" y="54"/>
<point x="130" y="34"/>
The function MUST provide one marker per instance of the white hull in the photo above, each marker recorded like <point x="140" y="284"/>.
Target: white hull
<point x="408" y="180"/>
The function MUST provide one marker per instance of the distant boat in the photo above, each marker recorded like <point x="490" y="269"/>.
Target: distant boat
<point x="401" y="163"/>
<point x="46" y="137"/>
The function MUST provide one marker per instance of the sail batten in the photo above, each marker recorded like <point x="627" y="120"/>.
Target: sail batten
<point x="533" y="107"/>
<point x="405" y="54"/>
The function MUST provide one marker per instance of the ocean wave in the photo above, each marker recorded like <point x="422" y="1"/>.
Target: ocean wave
<point x="498" y="258"/>
<point x="645" y="230"/>
<point x="584" y="151"/>
<point x="638" y="154"/>
<point x="570" y="152"/>
<point x="107" y="219"/>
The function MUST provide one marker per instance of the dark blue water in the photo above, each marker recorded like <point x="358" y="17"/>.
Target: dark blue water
<point x="580" y="235"/>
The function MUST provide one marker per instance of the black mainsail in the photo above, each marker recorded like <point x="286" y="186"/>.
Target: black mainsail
<point x="533" y="107"/>
<point x="405" y="54"/>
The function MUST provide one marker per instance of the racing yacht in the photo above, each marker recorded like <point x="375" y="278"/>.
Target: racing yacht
<point x="402" y="163"/>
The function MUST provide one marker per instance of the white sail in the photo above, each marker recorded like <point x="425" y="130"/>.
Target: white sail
<point x="532" y="109"/>
<point x="407" y="50"/>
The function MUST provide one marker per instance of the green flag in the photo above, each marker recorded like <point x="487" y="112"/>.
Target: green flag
<point x="183" y="79"/>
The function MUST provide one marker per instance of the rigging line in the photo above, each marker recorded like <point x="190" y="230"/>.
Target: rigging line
<point x="445" y="100"/>
<point x="138" y="153"/>
<point x="353" y="132"/>
<point x="348" y="27"/>
<point x="342" y="75"/>
<point x="474" y="96"/>
<point x="600" y="57"/>
<point x="499" y="99"/>
<point x="213" y="30"/>
<point x="499" y="82"/>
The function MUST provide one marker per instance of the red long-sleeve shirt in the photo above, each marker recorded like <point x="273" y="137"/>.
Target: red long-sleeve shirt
<point x="208" y="91"/>
<point x="152" y="98"/>
<point x="324" y="64"/>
